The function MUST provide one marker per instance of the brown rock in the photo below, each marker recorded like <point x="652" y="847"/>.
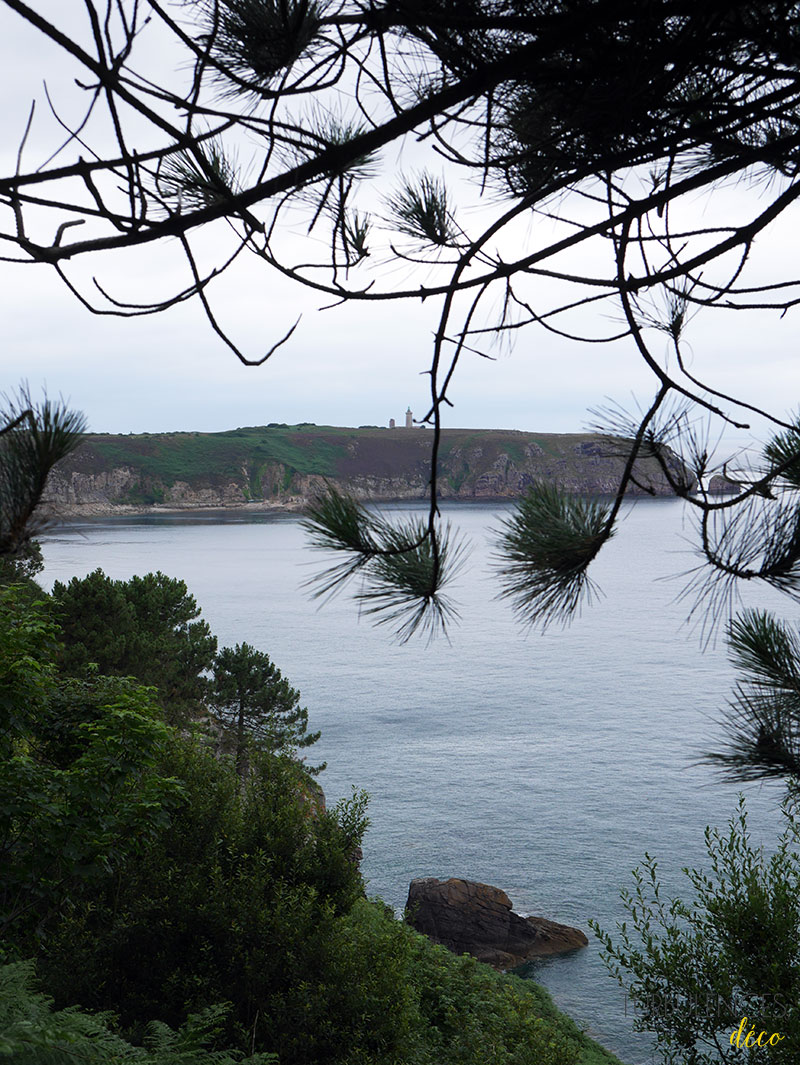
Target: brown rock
<point x="477" y="919"/>
<point x="555" y="938"/>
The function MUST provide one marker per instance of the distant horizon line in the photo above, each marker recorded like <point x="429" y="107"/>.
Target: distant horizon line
<point x="331" y="425"/>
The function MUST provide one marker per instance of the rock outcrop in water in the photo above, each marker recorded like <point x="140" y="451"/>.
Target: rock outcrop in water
<point x="477" y="919"/>
<point x="286" y="465"/>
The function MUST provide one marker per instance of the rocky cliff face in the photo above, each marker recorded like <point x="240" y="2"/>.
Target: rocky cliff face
<point x="288" y="465"/>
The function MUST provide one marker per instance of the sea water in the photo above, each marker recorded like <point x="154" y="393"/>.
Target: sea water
<point x="544" y="764"/>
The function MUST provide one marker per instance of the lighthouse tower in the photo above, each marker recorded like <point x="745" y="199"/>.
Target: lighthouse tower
<point x="409" y="419"/>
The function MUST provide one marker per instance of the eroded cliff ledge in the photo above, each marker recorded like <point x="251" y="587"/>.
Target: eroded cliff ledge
<point x="285" y="465"/>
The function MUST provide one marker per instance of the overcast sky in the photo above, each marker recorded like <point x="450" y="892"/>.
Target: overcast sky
<point x="354" y="365"/>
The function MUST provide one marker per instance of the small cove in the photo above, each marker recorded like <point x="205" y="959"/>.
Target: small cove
<point x="544" y="764"/>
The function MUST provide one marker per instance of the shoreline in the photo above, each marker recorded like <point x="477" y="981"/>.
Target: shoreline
<point x="70" y="511"/>
<point x="63" y="513"/>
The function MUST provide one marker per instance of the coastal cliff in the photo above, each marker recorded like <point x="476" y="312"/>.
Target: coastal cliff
<point x="286" y="465"/>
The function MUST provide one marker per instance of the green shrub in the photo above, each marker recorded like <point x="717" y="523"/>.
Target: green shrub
<point x="474" y="1015"/>
<point x="384" y="994"/>
<point x="696" y="969"/>
<point x="78" y="790"/>
<point x="230" y="902"/>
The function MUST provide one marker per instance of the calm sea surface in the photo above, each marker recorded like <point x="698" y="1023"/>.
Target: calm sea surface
<point x="543" y="764"/>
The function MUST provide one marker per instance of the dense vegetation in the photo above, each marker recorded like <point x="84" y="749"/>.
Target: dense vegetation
<point x="158" y="905"/>
<point x="724" y="959"/>
<point x="146" y="627"/>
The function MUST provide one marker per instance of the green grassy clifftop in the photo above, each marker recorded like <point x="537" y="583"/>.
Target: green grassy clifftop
<point x="286" y="464"/>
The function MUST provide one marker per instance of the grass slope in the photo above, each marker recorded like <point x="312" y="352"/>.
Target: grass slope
<point x="275" y="461"/>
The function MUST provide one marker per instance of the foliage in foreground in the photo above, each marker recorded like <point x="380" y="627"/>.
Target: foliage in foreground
<point x="229" y="903"/>
<point x="77" y="789"/>
<point x="717" y="978"/>
<point x="244" y="899"/>
<point x="762" y="720"/>
<point x="32" y="1033"/>
<point x="202" y="917"/>
<point x="694" y="969"/>
<point x="421" y="1004"/>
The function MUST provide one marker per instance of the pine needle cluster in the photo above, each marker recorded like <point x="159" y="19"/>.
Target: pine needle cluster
<point x="762" y="720"/>
<point x="403" y="566"/>
<point x="544" y="553"/>
<point x="35" y="437"/>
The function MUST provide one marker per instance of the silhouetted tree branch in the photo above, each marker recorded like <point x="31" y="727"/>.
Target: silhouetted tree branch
<point x="603" y="120"/>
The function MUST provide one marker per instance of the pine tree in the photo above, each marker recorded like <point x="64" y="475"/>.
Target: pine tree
<point x="258" y="705"/>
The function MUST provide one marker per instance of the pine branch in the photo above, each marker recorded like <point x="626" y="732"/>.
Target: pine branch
<point x="544" y="552"/>
<point x="36" y="437"/>
<point x="762" y="721"/>
<point x="403" y="566"/>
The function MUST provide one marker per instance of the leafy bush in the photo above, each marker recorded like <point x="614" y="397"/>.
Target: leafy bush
<point x="695" y="969"/>
<point x="382" y="993"/>
<point x="474" y="1015"/>
<point x="76" y="797"/>
<point x="230" y="902"/>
